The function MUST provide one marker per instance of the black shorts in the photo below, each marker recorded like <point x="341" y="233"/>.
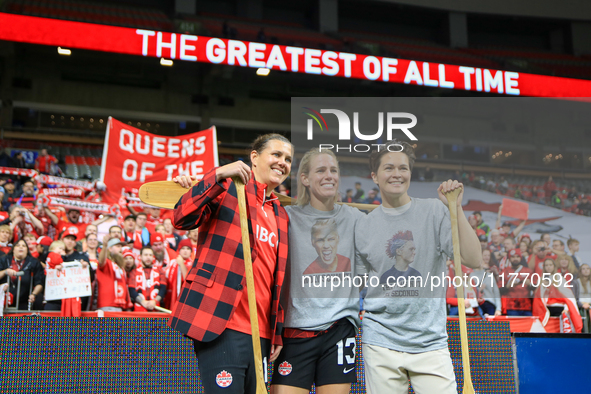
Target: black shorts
<point x="325" y="359"/>
<point x="226" y="364"/>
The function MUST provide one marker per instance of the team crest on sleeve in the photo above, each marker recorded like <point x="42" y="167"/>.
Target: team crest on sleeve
<point x="284" y="368"/>
<point x="224" y="379"/>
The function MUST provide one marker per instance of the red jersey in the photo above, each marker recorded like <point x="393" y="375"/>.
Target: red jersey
<point x="263" y="269"/>
<point x="343" y="265"/>
<point x="43" y="163"/>
<point x="63" y="225"/>
<point x="518" y="296"/>
<point x="112" y="286"/>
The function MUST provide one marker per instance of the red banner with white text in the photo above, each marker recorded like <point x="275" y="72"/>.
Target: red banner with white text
<point x="132" y="157"/>
<point x="192" y="48"/>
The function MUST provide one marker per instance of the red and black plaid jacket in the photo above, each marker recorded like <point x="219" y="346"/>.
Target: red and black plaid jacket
<point x="214" y="285"/>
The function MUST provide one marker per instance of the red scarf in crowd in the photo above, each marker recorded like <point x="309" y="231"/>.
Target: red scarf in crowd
<point x="148" y="286"/>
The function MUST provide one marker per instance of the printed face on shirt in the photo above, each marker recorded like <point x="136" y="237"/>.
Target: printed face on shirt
<point x="393" y="176"/>
<point x="272" y="165"/>
<point x="147" y="258"/>
<point x="323" y="179"/>
<point x="326" y="242"/>
<point x="20" y="250"/>
<point x="407" y="252"/>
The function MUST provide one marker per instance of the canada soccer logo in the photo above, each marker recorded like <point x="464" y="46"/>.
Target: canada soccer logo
<point x="284" y="368"/>
<point x="224" y="379"/>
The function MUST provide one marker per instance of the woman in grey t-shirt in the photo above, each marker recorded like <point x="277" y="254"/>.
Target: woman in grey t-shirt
<point x="321" y="303"/>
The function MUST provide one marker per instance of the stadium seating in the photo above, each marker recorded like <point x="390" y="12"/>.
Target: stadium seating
<point x="83" y="11"/>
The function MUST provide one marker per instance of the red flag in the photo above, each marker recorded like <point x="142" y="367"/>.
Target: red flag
<point x="515" y="209"/>
<point x="552" y="296"/>
<point x="132" y="157"/>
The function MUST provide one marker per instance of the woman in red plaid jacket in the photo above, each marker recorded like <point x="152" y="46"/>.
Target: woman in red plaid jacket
<point x="212" y="308"/>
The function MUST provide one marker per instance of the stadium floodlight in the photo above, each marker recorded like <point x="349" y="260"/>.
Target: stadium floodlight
<point x="263" y="72"/>
<point x="165" y="62"/>
<point x="64" y="51"/>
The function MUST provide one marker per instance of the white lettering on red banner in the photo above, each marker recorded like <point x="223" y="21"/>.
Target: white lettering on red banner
<point x="132" y="157"/>
<point x="56" y="180"/>
<point x="63" y="192"/>
<point x="187" y="47"/>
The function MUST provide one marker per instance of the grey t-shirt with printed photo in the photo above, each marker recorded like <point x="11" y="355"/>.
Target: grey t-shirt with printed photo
<point x="317" y="293"/>
<point x="403" y="312"/>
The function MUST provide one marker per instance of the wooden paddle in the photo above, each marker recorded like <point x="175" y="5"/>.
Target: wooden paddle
<point x="452" y="201"/>
<point x="248" y="273"/>
<point x="165" y="194"/>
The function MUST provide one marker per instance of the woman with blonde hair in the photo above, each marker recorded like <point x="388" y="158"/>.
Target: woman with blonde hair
<point x="565" y="265"/>
<point x="320" y="323"/>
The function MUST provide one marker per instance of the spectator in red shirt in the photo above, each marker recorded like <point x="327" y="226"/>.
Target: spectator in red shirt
<point x="518" y="301"/>
<point x="549" y="187"/>
<point x="147" y="284"/>
<point x="536" y="260"/>
<point x="44" y="163"/>
<point x="112" y="279"/>
<point x="73" y="222"/>
<point x="23" y="222"/>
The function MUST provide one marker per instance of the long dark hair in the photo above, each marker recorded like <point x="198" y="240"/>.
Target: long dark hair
<point x="26" y="246"/>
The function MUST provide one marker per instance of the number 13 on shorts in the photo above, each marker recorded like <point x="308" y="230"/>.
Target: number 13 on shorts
<point x="346" y="352"/>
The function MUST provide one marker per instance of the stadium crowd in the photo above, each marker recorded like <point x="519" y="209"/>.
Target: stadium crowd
<point x="138" y="261"/>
